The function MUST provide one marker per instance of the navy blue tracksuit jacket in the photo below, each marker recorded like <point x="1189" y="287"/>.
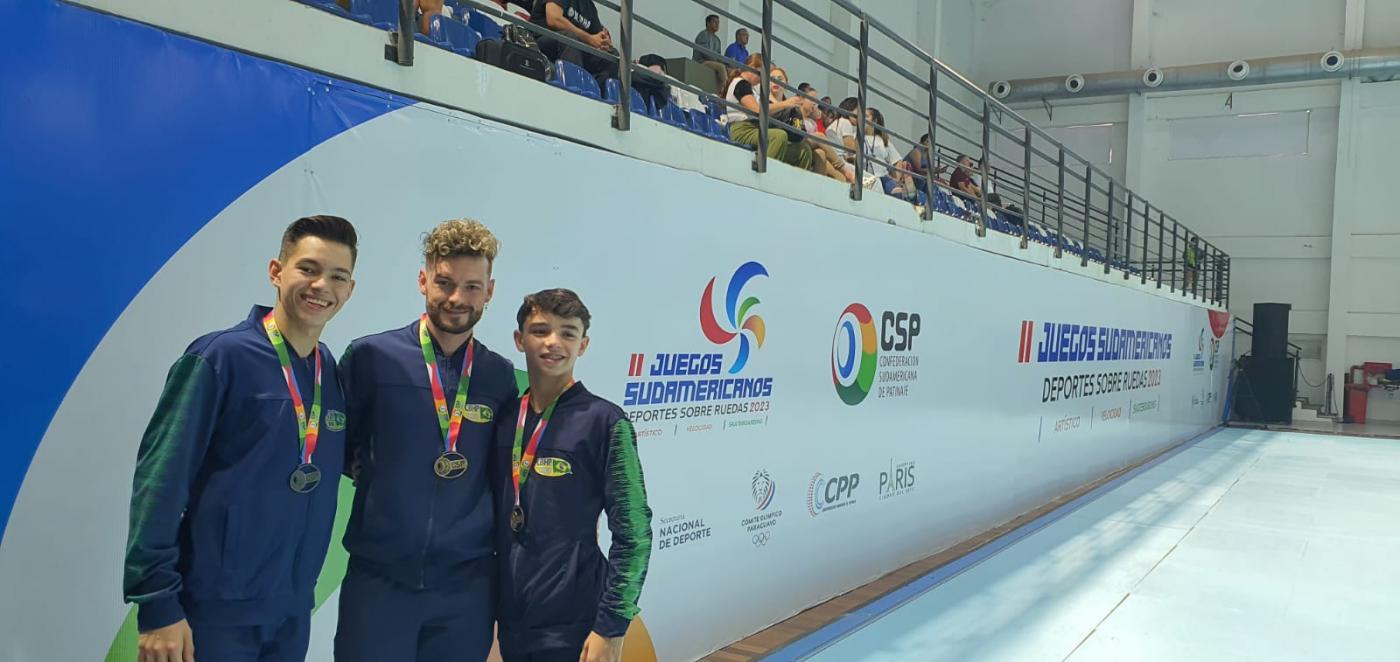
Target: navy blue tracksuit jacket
<point x="217" y="535"/>
<point x="408" y="524"/>
<point x="556" y="584"/>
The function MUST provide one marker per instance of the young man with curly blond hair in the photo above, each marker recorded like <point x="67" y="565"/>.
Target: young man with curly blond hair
<point x="424" y="401"/>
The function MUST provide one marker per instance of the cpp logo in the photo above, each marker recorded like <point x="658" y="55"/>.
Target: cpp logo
<point x="825" y="494"/>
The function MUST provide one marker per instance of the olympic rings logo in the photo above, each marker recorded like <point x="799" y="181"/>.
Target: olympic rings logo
<point x="761" y="538"/>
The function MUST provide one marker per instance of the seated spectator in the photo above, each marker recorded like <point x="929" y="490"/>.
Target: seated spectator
<point x="427" y="9"/>
<point x="709" y="40"/>
<point x="962" y="180"/>
<point x="900" y="184"/>
<point x="828" y="112"/>
<point x="918" y="157"/>
<point x="577" y="19"/>
<point x="743" y="127"/>
<point x="655" y="92"/>
<point x="841" y="129"/>
<point x="812" y="120"/>
<point x="877" y="142"/>
<point x="789" y="115"/>
<point x="1009" y="213"/>
<point x="738" y="51"/>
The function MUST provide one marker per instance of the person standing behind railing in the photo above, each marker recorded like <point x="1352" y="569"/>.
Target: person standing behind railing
<point x="1191" y="263"/>
<point x="577" y="19"/>
<point x="709" y="39"/>
<point x="743" y="127"/>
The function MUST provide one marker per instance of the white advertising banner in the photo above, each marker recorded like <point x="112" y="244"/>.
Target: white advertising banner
<point x="819" y="399"/>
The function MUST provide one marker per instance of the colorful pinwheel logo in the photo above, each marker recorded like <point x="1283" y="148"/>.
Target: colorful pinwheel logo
<point x="737" y="314"/>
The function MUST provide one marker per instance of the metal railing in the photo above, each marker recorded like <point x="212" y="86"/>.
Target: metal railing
<point x="1065" y="201"/>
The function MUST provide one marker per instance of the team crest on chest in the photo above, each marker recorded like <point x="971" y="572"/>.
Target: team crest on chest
<point x="553" y="467"/>
<point x="478" y="414"/>
<point x="335" y="420"/>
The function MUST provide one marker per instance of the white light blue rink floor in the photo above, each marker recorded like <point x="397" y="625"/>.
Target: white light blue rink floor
<point x="1247" y="545"/>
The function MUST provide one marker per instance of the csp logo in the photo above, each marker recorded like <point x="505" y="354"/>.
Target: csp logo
<point x="855" y="358"/>
<point x="741" y="323"/>
<point x="825" y="494"/>
<point x="763" y="489"/>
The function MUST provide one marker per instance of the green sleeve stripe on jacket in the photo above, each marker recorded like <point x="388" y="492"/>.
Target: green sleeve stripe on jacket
<point x="629" y="519"/>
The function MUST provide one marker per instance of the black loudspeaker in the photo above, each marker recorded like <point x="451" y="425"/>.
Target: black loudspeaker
<point x="1270" y="330"/>
<point x="1265" y="393"/>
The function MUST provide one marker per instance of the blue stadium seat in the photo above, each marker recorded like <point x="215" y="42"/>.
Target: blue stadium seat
<point x="715" y="108"/>
<point x="669" y="114"/>
<point x="1036" y="234"/>
<point x="699" y="122"/>
<point x="487" y="28"/>
<point x="575" y="79"/>
<point x="613" y="89"/>
<point x="328" y="5"/>
<point x="717" y="131"/>
<point x="382" y="14"/>
<point x="452" y="35"/>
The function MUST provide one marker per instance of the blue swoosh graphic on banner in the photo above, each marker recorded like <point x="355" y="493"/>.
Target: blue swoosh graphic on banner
<point x="121" y="142"/>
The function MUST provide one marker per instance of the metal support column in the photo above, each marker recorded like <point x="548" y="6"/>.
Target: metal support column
<point x="760" y="157"/>
<point x="857" y="186"/>
<point x="1088" y="192"/>
<point x="1128" y="238"/>
<point x="1111" y="242"/>
<point x="929" y="156"/>
<point x="1161" y="243"/>
<point x="985" y="167"/>
<point x="1026" y="191"/>
<point x="622" y="113"/>
<point x="1060" y="209"/>
<point x="399" y="50"/>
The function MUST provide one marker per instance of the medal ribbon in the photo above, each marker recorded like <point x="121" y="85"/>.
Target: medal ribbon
<point x="451" y="426"/>
<point x="520" y="462"/>
<point x="307" y="431"/>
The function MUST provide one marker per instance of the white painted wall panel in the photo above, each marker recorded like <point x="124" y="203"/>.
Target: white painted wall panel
<point x="1199" y="31"/>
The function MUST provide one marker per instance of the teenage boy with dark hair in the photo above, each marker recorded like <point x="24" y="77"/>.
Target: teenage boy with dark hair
<point x="424" y="401"/>
<point x="570" y="456"/>
<point x="229" y="517"/>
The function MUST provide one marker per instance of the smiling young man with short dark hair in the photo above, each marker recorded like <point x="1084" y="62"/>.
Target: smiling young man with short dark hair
<point x="230" y="518"/>
<point x="569" y="457"/>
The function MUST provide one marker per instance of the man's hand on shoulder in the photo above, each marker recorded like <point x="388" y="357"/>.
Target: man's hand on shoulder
<point x="598" y="648"/>
<point x="172" y="643"/>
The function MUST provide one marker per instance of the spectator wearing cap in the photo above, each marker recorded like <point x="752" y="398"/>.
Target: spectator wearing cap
<point x="656" y="92"/>
<point x="708" y="39"/>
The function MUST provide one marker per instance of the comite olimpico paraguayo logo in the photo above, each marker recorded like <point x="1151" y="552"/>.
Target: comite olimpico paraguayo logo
<point x="856" y="363"/>
<point x="690" y="385"/>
